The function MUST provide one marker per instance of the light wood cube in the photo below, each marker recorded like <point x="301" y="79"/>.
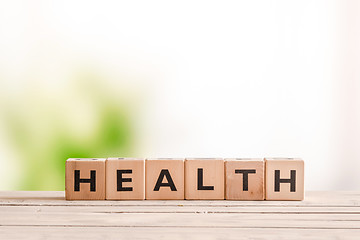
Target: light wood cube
<point x="244" y="179"/>
<point x="164" y="179"/>
<point x="204" y="178"/>
<point x="85" y="179"/>
<point x="125" y="179"/>
<point x="284" y="179"/>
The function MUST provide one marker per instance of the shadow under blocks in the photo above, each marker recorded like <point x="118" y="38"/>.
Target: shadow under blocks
<point x="184" y="178"/>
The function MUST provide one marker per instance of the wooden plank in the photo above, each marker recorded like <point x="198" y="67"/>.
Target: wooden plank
<point x="57" y="198"/>
<point x="173" y="233"/>
<point x="179" y="220"/>
<point x="183" y="209"/>
<point x="322" y="215"/>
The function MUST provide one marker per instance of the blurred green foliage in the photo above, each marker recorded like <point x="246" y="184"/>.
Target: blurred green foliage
<point x="43" y="141"/>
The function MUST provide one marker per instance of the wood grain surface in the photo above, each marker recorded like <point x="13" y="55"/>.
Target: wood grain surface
<point x="47" y="215"/>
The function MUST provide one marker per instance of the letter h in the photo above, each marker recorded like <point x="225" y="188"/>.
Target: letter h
<point x="78" y="180"/>
<point x="291" y="180"/>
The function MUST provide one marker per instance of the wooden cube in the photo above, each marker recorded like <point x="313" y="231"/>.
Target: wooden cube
<point x="125" y="179"/>
<point x="284" y="179"/>
<point x="204" y="178"/>
<point x="164" y="178"/>
<point x="244" y="179"/>
<point x="85" y="179"/>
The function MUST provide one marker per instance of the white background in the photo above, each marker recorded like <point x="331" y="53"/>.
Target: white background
<point x="216" y="78"/>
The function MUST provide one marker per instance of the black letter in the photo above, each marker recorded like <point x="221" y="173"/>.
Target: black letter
<point x="291" y="180"/>
<point x="78" y="180"/>
<point x="200" y="181"/>
<point x="120" y="180"/>
<point x="245" y="173"/>
<point x="170" y="183"/>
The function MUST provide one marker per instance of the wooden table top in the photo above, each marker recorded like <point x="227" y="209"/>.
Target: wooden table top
<point x="46" y="215"/>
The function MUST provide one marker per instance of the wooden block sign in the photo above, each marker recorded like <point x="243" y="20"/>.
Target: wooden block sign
<point x="164" y="178"/>
<point x="204" y="178"/>
<point x="85" y="179"/>
<point x="190" y="178"/>
<point x="284" y="179"/>
<point x="125" y="179"/>
<point x="244" y="179"/>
